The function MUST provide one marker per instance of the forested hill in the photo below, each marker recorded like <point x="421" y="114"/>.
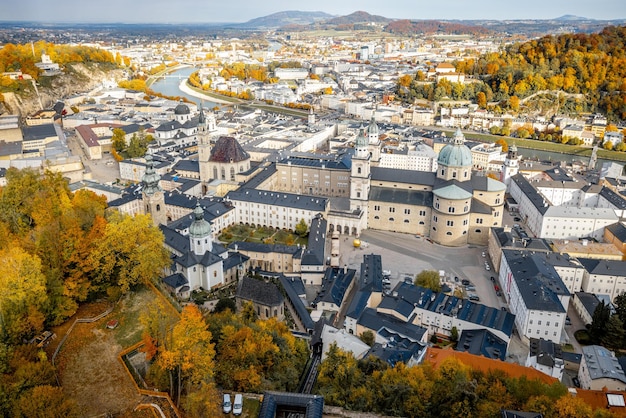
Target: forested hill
<point x="591" y="64"/>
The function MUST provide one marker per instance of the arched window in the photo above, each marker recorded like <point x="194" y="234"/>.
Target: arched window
<point x="223" y="174"/>
<point x="232" y="174"/>
<point x="358" y="170"/>
<point x="448" y="233"/>
<point x="158" y="208"/>
<point x="215" y="172"/>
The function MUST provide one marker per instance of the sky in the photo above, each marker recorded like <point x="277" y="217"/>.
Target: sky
<point x="208" y="11"/>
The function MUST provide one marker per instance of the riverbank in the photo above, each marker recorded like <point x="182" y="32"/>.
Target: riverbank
<point x="154" y="78"/>
<point x="213" y="97"/>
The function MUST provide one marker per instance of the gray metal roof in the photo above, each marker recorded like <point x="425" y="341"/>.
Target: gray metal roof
<point x="604" y="267"/>
<point x="294" y="288"/>
<point x="290" y="200"/>
<point x="602" y="363"/>
<point x="482" y="342"/>
<point x="311" y="406"/>
<point x="402" y="176"/>
<point x="539" y="284"/>
<point x="401" y="196"/>
<point x="259" y="291"/>
<point x="531" y="193"/>
<point x="546" y="351"/>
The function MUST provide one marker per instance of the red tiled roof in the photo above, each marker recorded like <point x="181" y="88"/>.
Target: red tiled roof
<point x="436" y="356"/>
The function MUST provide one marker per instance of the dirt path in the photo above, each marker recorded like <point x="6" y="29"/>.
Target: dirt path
<point x="91" y="373"/>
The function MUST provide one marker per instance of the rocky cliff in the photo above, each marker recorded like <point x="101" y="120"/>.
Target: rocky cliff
<point x="77" y="78"/>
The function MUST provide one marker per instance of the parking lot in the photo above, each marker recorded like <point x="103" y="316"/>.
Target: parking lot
<point x="406" y="255"/>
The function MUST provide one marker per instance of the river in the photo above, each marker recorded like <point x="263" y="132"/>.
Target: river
<point x="169" y="86"/>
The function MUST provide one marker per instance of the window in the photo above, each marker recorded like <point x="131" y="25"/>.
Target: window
<point x="497" y="201"/>
<point x="450" y="209"/>
<point x="454" y="174"/>
<point x="392" y="210"/>
<point x="539" y="323"/>
<point x="479" y="220"/>
<point x="407" y="211"/>
<point x="464" y="221"/>
<point x="376" y="217"/>
<point x="548" y="324"/>
<point x="422" y="213"/>
<point x="437" y="205"/>
<point x="376" y="207"/>
<point x="391" y="219"/>
<point x="435" y="218"/>
<point x="450" y="223"/>
<point x="358" y="170"/>
<point x="448" y="233"/>
<point x="442" y="171"/>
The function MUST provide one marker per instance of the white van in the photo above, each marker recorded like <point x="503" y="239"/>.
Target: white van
<point x="226" y="405"/>
<point x="238" y="404"/>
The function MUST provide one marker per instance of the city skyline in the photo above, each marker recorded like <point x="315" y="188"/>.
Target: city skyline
<point x="198" y="11"/>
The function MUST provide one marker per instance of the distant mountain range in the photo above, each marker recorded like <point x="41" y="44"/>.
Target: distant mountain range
<point x="357" y="17"/>
<point x="299" y="20"/>
<point x="286" y="18"/>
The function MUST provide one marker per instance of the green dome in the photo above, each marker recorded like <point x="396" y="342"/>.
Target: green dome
<point x="456" y="154"/>
<point x="199" y="228"/>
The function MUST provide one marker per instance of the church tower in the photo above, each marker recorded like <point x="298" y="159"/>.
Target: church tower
<point x="593" y="160"/>
<point x="373" y="138"/>
<point x="204" y="149"/>
<point x="200" y="239"/>
<point x="360" y="173"/>
<point x="152" y="194"/>
<point x="311" y="118"/>
<point x="510" y="166"/>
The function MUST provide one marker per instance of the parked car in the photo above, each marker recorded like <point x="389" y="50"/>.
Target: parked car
<point x="474" y="297"/>
<point x="238" y="404"/>
<point x="497" y="288"/>
<point x="568" y="321"/>
<point x="493" y="279"/>
<point x="576" y="382"/>
<point x="408" y="280"/>
<point x="226" y="405"/>
<point x="465" y="282"/>
<point x="498" y="293"/>
<point x="517" y="219"/>
<point x="470" y="288"/>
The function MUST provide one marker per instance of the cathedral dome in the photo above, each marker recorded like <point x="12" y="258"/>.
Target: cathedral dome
<point x="199" y="228"/>
<point x="456" y="154"/>
<point x="181" y="109"/>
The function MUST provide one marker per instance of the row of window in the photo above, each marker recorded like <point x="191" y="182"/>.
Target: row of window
<point x="556" y="324"/>
<point x="546" y="333"/>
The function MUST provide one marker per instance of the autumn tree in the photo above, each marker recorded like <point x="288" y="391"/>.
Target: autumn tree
<point x="429" y="279"/>
<point x="190" y="356"/>
<point x="23" y="296"/>
<point x="481" y="100"/>
<point x="122" y="263"/>
<point x="118" y="139"/>
<point x="45" y="401"/>
<point x="502" y="142"/>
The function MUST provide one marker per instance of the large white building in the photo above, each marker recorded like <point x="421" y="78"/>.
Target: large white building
<point x="578" y="215"/>
<point x="535" y="294"/>
<point x="604" y="277"/>
<point x="599" y="369"/>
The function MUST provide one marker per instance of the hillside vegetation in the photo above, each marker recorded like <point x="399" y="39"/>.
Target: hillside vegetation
<point x="589" y="69"/>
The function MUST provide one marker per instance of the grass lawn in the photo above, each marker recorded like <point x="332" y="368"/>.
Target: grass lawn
<point x="251" y="408"/>
<point x="265" y="235"/>
<point x="583" y="337"/>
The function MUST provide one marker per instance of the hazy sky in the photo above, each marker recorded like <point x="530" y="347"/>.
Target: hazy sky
<point x="199" y="11"/>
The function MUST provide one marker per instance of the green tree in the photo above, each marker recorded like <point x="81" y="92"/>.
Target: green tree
<point x="615" y="333"/>
<point x="620" y="306"/>
<point x="368" y="338"/>
<point x="599" y="322"/>
<point x="224" y="304"/>
<point x="454" y="334"/>
<point x="429" y="279"/>
<point x="302" y="228"/>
